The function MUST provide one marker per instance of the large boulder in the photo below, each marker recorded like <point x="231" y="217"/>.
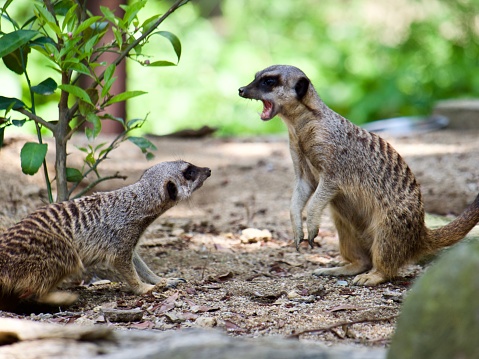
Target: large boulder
<point x="440" y="316"/>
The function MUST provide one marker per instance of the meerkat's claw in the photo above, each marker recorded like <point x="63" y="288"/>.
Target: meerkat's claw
<point x="174" y="282"/>
<point x="297" y="242"/>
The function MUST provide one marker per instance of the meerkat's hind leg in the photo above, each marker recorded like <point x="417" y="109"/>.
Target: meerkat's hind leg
<point x="143" y="270"/>
<point x="126" y="270"/>
<point x="350" y="248"/>
<point x="370" y="278"/>
<point x="149" y="276"/>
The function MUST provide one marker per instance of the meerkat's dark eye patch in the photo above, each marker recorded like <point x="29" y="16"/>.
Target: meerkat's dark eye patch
<point x="190" y="173"/>
<point x="172" y="190"/>
<point x="268" y="82"/>
<point x="301" y="87"/>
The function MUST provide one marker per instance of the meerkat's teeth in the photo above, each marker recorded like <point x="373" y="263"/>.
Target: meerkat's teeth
<point x="268" y="107"/>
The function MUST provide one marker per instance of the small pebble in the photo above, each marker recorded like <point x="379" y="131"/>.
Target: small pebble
<point x="342" y="283"/>
<point x="206" y="322"/>
<point x="122" y="315"/>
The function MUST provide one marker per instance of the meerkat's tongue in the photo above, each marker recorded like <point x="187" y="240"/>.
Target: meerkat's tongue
<point x="267" y="110"/>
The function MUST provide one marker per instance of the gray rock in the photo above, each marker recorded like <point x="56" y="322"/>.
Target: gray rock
<point x="440" y="317"/>
<point x="23" y="339"/>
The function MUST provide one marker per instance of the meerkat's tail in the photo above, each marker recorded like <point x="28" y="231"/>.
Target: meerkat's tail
<point x="456" y="230"/>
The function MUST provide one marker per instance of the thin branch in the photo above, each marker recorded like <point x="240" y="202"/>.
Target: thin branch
<point x="37" y="119"/>
<point x="340" y="324"/>
<point x="130" y="47"/>
<point x="99" y="180"/>
<point x="93" y="168"/>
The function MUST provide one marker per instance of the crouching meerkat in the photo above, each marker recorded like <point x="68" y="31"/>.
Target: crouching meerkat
<point x="374" y="198"/>
<point x="63" y="239"/>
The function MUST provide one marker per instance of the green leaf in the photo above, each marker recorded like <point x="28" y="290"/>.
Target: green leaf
<point x="96" y="122"/>
<point x="174" y="40"/>
<point x="17" y="60"/>
<point x="109" y="15"/>
<point x="44" y="15"/>
<point x="86" y="24"/>
<point x="46" y="87"/>
<point x="131" y="11"/>
<point x="118" y="37"/>
<point x="18" y="123"/>
<point x="110" y="70"/>
<point x="41" y="41"/>
<point x="80" y="68"/>
<point x="90" y="159"/>
<point x="32" y="156"/>
<point x="74" y="175"/>
<point x="90" y="44"/>
<point x="124" y="96"/>
<point x="13" y="40"/>
<point x="108" y="80"/>
<point x="149" y="156"/>
<point x="9" y="103"/>
<point x="70" y="17"/>
<point x="7" y="4"/>
<point x="63" y="7"/>
<point x="76" y="91"/>
<point x="162" y="63"/>
<point x="143" y="143"/>
<point x="149" y="22"/>
<point x="135" y="123"/>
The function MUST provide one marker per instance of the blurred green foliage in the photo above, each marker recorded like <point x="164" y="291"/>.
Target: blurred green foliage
<point x="368" y="59"/>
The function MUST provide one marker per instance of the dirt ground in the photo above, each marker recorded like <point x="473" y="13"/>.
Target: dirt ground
<point x="249" y="284"/>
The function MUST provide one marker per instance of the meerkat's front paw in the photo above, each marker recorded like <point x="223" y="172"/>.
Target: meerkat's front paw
<point x="312" y="234"/>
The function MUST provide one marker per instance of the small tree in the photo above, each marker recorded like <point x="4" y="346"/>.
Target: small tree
<point x="70" y="37"/>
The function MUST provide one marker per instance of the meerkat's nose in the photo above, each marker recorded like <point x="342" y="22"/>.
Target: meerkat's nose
<point x="241" y="91"/>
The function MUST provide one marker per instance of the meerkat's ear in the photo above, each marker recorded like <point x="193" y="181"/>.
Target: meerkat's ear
<point x="301" y="87"/>
<point x="172" y="190"/>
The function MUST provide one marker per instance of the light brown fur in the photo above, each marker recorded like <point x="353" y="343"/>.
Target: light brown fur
<point x="374" y="197"/>
<point x="63" y="239"/>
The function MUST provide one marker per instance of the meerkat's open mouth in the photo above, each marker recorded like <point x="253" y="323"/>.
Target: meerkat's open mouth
<point x="268" y="110"/>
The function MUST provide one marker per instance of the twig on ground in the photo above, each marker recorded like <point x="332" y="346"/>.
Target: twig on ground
<point x="341" y="324"/>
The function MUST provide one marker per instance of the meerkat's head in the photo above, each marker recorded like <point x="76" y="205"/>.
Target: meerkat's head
<point x="281" y="88"/>
<point x="175" y="181"/>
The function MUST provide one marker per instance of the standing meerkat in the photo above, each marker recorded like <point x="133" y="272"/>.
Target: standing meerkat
<point x="373" y="195"/>
<point x="63" y="239"/>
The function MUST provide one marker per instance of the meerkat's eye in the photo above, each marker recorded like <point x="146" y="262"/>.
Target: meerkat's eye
<point x="190" y="173"/>
<point x="269" y="81"/>
<point x="172" y="190"/>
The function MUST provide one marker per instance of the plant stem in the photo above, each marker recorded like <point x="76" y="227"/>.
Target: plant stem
<point x="37" y="127"/>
